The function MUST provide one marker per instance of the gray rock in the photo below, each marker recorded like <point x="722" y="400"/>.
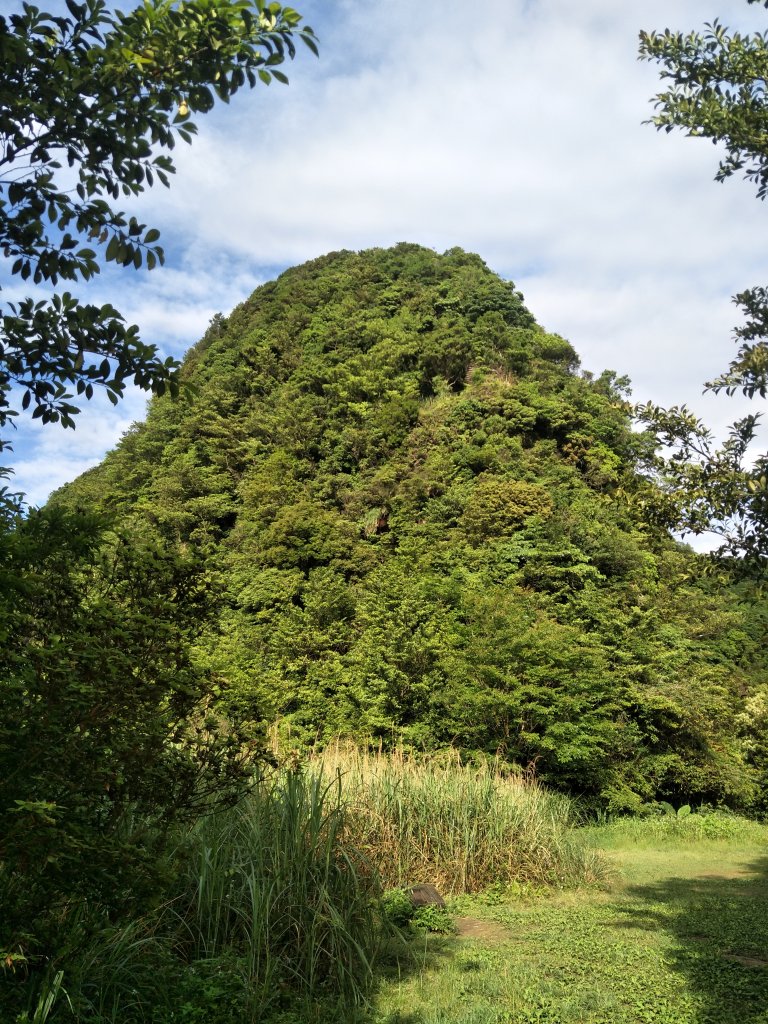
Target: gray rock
<point x="425" y="895"/>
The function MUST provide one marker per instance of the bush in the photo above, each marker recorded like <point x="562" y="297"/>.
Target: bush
<point x="104" y="735"/>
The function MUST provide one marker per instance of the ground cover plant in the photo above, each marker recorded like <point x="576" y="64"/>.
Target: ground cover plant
<point x="679" y="936"/>
<point x="273" y="907"/>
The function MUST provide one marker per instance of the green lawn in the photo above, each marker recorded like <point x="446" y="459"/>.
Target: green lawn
<point x="680" y="936"/>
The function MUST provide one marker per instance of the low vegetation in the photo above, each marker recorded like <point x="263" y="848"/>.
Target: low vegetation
<point x="275" y="913"/>
<point x="681" y="829"/>
<point x="273" y="908"/>
<point x="679" y="936"/>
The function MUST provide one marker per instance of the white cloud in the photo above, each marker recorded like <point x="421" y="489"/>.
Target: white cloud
<point x="513" y="129"/>
<point x="48" y="456"/>
<point x="174" y="306"/>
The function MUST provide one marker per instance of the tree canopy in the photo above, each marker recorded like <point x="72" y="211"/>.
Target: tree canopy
<point x="716" y="89"/>
<point x="91" y="105"/>
<point x="430" y="527"/>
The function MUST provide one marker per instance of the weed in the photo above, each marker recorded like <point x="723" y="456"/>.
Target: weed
<point x="397" y="907"/>
<point x="432" y="918"/>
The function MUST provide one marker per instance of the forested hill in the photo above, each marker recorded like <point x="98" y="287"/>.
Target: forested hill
<point x="425" y="524"/>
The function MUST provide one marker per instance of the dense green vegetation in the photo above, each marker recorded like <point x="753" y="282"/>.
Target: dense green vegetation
<point x="273" y="909"/>
<point x="428" y="526"/>
<point x="106" y="740"/>
<point x="678" y="937"/>
<point x="395" y="511"/>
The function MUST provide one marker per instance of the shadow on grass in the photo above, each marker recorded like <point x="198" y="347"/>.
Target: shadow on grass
<point x="414" y="955"/>
<point x="720" y="927"/>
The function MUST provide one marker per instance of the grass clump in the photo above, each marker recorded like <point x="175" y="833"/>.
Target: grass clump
<point x="276" y="880"/>
<point x="270" y="912"/>
<point x="461" y="827"/>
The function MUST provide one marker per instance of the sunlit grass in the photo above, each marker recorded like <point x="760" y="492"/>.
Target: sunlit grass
<point x="694" y="828"/>
<point x="679" y="937"/>
<point x="461" y="827"/>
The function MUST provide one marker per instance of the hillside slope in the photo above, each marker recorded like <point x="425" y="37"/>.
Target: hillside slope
<point x="427" y="525"/>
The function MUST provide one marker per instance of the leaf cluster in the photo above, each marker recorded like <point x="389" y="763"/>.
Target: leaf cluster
<point x="91" y="104"/>
<point x="717" y="81"/>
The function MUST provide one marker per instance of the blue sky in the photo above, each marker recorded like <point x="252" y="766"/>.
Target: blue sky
<point x="513" y="129"/>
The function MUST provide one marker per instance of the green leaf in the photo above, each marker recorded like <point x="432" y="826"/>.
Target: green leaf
<point x="113" y="249"/>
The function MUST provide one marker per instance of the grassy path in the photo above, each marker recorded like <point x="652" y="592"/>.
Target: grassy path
<point x="680" y="936"/>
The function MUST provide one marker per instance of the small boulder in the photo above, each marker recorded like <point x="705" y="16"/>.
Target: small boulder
<point x="425" y="895"/>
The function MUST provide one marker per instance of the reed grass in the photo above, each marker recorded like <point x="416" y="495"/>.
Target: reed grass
<point x="463" y="827"/>
<point x="119" y="973"/>
<point x="270" y="909"/>
<point x="276" y="880"/>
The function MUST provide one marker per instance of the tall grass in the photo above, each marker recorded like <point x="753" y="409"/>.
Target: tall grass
<point x="461" y="827"/>
<point x="119" y="974"/>
<point x="276" y="881"/>
<point x="270" y="908"/>
<point x="274" y="904"/>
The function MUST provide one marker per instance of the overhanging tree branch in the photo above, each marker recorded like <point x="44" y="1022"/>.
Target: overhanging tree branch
<point x="91" y="104"/>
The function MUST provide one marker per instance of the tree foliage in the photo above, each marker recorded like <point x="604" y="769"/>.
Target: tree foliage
<point x="431" y="527"/>
<point x="108" y="728"/>
<point x="716" y="89"/>
<point x="91" y="104"/>
<point x="107" y="732"/>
